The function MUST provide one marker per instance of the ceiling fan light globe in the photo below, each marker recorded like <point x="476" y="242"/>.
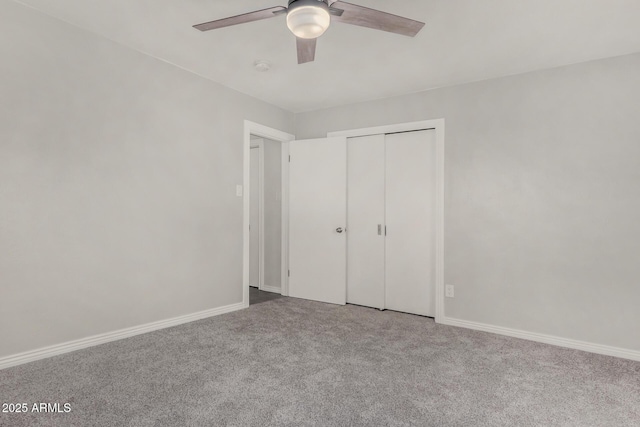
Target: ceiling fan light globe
<point x="309" y="21"/>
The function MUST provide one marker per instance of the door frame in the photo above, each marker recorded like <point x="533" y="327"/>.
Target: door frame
<point x="256" y="129"/>
<point x="438" y="126"/>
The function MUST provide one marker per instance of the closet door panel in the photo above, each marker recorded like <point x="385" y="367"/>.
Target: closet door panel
<point x="410" y="217"/>
<point x="365" y="221"/>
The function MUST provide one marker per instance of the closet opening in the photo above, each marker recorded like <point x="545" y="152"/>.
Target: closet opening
<point x="391" y="221"/>
<point x="395" y="230"/>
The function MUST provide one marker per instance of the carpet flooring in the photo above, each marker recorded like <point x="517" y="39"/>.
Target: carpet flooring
<point x="290" y="362"/>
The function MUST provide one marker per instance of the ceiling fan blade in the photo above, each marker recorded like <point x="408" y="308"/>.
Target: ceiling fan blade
<point x="306" y="50"/>
<point x="242" y="19"/>
<point x="376" y="19"/>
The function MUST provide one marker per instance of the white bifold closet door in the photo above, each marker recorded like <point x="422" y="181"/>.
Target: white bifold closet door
<point x="391" y="222"/>
<point x="365" y="221"/>
<point x="410" y="184"/>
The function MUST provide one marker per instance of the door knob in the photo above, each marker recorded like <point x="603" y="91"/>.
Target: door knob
<point x="339" y="230"/>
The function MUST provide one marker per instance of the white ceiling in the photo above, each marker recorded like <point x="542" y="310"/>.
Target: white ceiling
<point x="463" y="41"/>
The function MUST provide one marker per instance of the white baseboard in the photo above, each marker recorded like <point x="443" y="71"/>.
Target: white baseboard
<point x="274" y="289"/>
<point x="547" y="339"/>
<point x="67" y="347"/>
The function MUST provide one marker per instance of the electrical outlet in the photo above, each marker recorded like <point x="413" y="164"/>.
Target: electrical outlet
<point x="239" y="190"/>
<point x="448" y="291"/>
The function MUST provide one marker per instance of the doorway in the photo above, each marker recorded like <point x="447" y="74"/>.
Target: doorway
<point x="265" y="219"/>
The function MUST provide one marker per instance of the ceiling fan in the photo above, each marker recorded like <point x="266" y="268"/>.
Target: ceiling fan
<point x="309" y="19"/>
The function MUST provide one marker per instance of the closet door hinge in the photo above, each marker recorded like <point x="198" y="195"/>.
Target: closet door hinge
<point x="288" y="273"/>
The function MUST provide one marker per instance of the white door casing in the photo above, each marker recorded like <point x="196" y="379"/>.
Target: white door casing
<point x="317" y="214"/>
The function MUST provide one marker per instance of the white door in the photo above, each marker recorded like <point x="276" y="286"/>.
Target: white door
<point x="410" y="215"/>
<point x="317" y="219"/>
<point x="254" y="219"/>
<point x="365" y="221"/>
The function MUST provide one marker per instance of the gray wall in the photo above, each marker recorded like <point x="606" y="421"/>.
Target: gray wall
<point x="117" y="185"/>
<point x="542" y="195"/>
<point x="272" y="212"/>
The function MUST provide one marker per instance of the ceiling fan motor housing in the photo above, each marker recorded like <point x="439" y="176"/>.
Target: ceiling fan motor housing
<point x="308" y="19"/>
